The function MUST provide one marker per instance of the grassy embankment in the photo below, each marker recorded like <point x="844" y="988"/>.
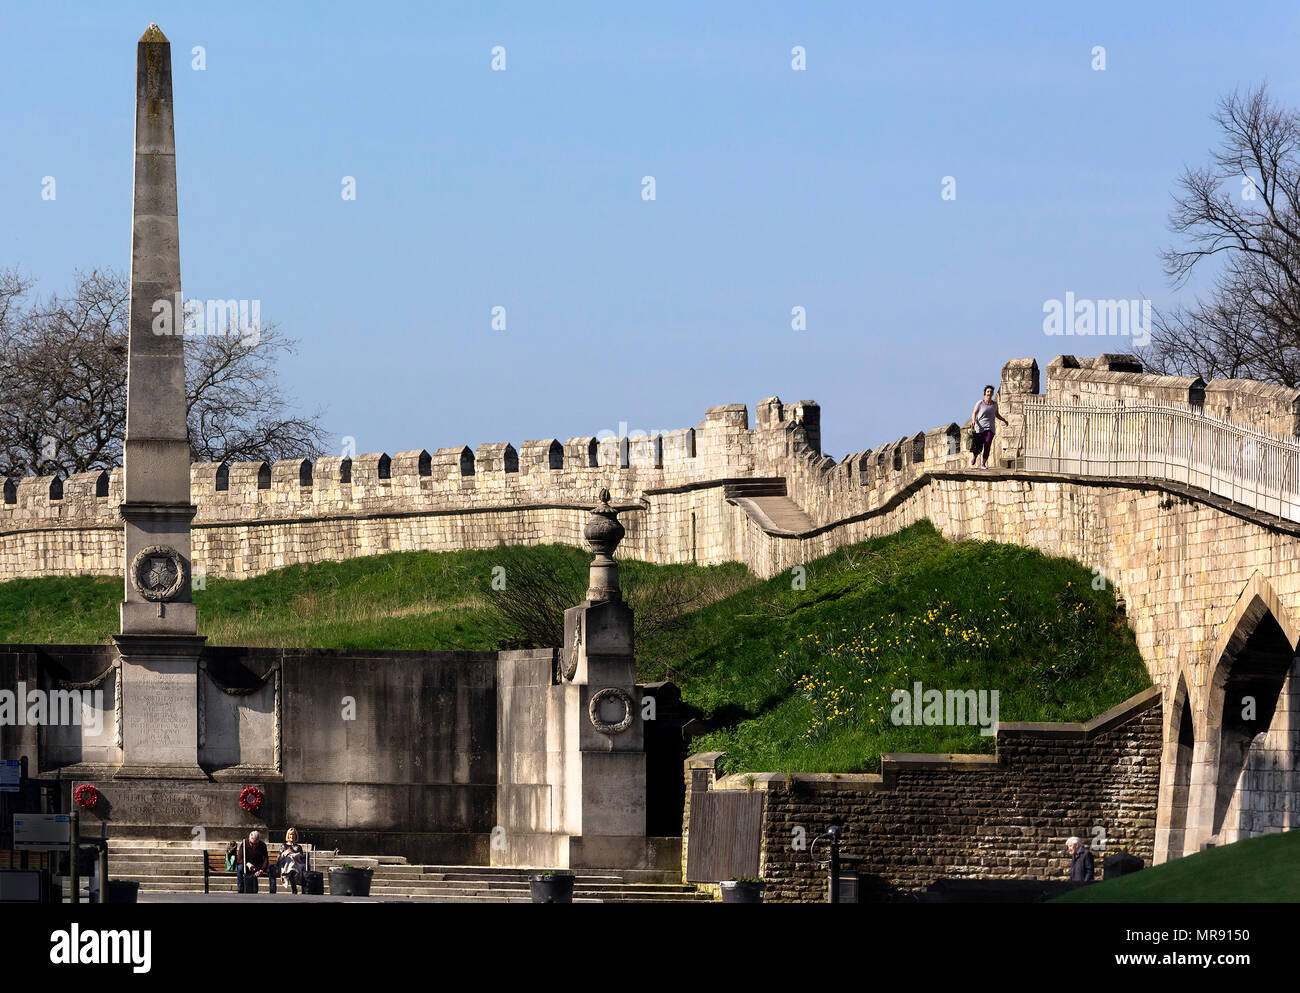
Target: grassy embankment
<point x="790" y="679"/>
<point x="1258" y="870"/>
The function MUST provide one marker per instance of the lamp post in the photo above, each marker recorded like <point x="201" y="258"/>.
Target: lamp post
<point x="836" y="860"/>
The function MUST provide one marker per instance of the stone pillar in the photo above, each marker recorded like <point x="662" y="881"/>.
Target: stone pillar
<point x="156" y="457"/>
<point x="158" y="645"/>
<point x="603" y="799"/>
<point x="1019" y="382"/>
<point x="1202" y="792"/>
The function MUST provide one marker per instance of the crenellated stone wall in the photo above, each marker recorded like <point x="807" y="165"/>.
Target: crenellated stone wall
<point x="674" y="489"/>
<point x="1199" y="575"/>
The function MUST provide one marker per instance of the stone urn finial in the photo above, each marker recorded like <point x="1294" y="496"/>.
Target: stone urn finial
<point x="603" y="533"/>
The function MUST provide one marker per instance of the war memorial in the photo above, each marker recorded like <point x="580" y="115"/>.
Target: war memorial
<point x="442" y="771"/>
<point x="444" y="748"/>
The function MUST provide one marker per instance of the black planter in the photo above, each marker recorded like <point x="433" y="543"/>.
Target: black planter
<point x="123" y="891"/>
<point x="738" y="891"/>
<point x="350" y="881"/>
<point x="551" y="888"/>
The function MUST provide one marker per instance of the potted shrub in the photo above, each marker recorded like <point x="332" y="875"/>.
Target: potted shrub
<point x="745" y="889"/>
<point x="552" y="886"/>
<point x="350" y="880"/>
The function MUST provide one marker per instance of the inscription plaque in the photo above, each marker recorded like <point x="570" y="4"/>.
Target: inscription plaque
<point x="160" y="712"/>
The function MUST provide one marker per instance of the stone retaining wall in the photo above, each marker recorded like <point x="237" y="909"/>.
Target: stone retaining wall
<point x="931" y="817"/>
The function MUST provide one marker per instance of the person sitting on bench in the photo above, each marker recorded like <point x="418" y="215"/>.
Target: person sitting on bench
<point x="254" y="861"/>
<point x="292" y="864"/>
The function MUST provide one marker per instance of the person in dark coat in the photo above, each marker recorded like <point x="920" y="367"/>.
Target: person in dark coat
<point x="254" y="861"/>
<point x="1080" y="861"/>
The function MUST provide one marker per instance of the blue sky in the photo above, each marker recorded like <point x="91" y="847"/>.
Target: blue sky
<point x="522" y="189"/>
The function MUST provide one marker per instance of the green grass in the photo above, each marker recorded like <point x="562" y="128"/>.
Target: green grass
<point x="788" y="679"/>
<point x="1258" y="870"/>
<point x="411" y="600"/>
<point x="402" y="600"/>
<point x="801" y="680"/>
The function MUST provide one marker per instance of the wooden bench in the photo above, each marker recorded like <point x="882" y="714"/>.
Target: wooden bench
<point x="214" y="863"/>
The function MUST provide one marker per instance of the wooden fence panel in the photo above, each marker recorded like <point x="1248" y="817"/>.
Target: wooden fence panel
<point x="726" y="834"/>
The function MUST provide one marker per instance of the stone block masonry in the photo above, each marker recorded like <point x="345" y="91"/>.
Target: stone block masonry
<point x="1196" y="571"/>
<point x="253" y="517"/>
<point x="675" y="491"/>
<point x="931" y="817"/>
<point x="371" y="751"/>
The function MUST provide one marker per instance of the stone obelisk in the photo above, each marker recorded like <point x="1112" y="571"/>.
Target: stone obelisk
<point x="159" y="649"/>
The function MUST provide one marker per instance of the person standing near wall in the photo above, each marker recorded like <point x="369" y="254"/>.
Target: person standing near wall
<point x="1081" y="866"/>
<point x="983" y="420"/>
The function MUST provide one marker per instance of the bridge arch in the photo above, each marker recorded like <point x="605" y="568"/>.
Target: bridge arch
<point x="1176" y="761"/>
<point x="1233" y="760"/>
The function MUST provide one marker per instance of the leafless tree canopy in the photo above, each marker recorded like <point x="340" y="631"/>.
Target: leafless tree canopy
<point x="1244" y="209"/>
<point x="63" y="384"/>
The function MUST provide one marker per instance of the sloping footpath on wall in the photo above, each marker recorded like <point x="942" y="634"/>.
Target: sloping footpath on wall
<point x="924" y="818"/>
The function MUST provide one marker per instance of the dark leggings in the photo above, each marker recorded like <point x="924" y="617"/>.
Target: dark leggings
<point x="983" y="443"/>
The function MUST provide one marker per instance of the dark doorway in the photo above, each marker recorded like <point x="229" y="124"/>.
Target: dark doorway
<point x="665" y="757"/>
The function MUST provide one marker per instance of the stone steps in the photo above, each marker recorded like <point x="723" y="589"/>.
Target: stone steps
<point x="177" y="868"/>
<point x="758" y="487"/>
<point x="766" y="502"/>
<point x="184" y="880"/>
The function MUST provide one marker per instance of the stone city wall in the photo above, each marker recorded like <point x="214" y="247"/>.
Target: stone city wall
<point x="675" y="490"/>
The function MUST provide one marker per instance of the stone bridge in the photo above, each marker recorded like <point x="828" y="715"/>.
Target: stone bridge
<point x="1181" y="493"/>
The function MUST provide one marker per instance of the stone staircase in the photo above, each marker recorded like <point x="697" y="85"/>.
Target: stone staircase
<point x="175" y="867"/>
<point x="766" y="502"/>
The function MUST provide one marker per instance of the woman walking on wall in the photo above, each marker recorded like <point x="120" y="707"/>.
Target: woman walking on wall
<point x="982" y="424"/>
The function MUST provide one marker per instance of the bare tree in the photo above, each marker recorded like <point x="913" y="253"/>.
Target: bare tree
<point x="1244" y="207"/>
<point x="63" y="384"/>
<point x="237" y="409"/>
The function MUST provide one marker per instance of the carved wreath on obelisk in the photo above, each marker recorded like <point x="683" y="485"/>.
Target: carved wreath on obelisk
<point x="159" y="572"/>
<point x="618" y="696"/>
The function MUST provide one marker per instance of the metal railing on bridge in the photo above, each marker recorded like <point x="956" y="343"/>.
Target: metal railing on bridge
<point x="1163" y="441"/>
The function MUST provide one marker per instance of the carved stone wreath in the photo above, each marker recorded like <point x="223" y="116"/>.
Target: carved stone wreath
<point x="610" y="693"/>
<point x="569" y="666"/>
<point x="159" y="572"/>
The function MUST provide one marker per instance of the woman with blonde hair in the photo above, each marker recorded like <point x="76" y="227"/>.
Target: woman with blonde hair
<point x="293" y="861"/>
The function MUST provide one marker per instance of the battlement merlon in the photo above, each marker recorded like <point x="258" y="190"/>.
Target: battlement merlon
<point x="541" y="475"/>
<point x="546" y="471"/>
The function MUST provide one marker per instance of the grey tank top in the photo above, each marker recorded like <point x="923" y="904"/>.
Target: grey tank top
<point x="984" y="413"/>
